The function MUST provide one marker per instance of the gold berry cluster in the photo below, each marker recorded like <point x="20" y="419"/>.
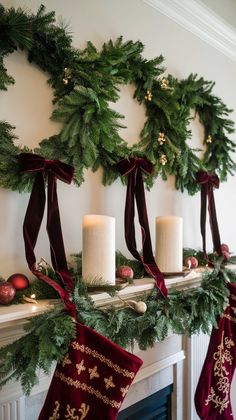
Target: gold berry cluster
<point x="161" y="138"/>
<point x="148" y="96"/>
<point x="164" y="84"/>
<point x="66" y="76"/>
<point x="163" y="160"/>
<point x="209" y="139"/>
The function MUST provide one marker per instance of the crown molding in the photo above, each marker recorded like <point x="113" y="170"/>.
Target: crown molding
<point x="197" y="18"/>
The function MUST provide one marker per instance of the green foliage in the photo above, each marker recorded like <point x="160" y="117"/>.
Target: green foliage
<point x="15" y="30"/>
<point x="85" y="83"/>
<point x="196" y="94"/>
<point x="5" y="79"/>
<point x="46" y="341"/>
<point x="39" y="288"/>
<point x="182" y="312"/>
<point x="212" y="256"/>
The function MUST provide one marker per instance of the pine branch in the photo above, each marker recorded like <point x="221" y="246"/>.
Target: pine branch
<point x="46" y="341"/>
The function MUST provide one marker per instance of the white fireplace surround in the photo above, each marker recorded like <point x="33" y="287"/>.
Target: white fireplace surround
<point x="175" y="361"/>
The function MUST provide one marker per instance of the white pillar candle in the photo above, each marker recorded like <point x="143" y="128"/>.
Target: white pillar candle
<point x="98" y="254"/>
<point x="169" y="244"/>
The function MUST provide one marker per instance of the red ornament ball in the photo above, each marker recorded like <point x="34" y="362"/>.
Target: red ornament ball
<point x="224" y="247"/>
<point x="225" y="254"/>
<point x="7" y="292"/>
<point x="124" y="272"/>
<point x="191" y="262"/>
<point x="19" y="281"/>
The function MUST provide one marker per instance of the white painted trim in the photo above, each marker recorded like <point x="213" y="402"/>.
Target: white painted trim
<point x="13" y="409"/>
<point x="195" y="349"/>
<point x="178" y="398"/>
<point x="156" y="367"/>
<point x="197" y="18"/>
<point x="12" y="391"/>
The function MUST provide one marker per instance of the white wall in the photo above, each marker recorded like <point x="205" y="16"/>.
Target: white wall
<point x="27" y="105"/>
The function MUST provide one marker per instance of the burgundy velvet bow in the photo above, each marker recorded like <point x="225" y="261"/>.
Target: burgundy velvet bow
<point x="208" y="182"/>
<point x="135" y="190"/>
<point x="50" y="169"/>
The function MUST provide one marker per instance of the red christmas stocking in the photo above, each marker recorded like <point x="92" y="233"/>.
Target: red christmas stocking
<point x="92" y="380"/>
<point x="212" y="397"/>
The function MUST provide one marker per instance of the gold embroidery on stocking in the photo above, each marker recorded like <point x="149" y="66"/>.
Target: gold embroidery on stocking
<point x="94" y="372"/>
<point x="220" y="403"/>
<point x="81" y="347"/>
<point x="80" y="367"/>
<point x="66" y="360"/>
<point x="124" y="391"/>
<point x="87" y="388"/>
<point x="228" y="342"/>
<point x="221" y="356"/>
<point x="84" y="409"/>
<point x="55" y="414"/>
<point x="109" y="382"/>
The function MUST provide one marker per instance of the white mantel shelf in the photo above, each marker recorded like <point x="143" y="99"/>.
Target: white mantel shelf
<point x="18" y="314"/>
<point x="145" y="285"/>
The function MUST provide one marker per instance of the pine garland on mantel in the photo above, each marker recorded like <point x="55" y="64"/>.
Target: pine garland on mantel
<point x="85" y="82"/>
<point x="47" y="336"/>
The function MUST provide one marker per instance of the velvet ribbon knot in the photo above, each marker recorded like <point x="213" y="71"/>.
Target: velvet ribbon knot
<point x="30" y="162"/>
<point x="208" y="182"/>
<point x="48" y="170"/>
<point x="127" y="166"/>
<point x="133" y="168"/>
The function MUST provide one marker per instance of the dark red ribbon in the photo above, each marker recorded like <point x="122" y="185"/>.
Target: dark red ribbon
<point x="208" y="182"/>
<point x="50" y="170"/>
<point x="133" y="168"/>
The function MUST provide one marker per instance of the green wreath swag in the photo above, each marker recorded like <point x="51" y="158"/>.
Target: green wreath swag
<point x="85" y="82"/>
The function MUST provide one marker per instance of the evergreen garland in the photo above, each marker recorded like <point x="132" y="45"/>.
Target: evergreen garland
<point x="47" y="336"/>
<point x="46" y="340"/>
<point x="85" y="82"/>
<point x="196" y="94"/>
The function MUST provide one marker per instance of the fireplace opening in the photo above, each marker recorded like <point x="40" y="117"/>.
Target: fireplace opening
<point x="155" y="407"/>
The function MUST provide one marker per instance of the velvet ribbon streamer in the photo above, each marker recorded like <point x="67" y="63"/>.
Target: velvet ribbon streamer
<point x="133" y="168"/>
<point x="208" y="182"/>
<point x="50" y="170"/>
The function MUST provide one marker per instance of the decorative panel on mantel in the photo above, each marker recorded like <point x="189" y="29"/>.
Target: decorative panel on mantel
<point x="13" y="409"/>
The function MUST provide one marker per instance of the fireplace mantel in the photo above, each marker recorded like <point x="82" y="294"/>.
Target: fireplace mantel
<point x="164" y="364"/>
<point x="17" y="315"/>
